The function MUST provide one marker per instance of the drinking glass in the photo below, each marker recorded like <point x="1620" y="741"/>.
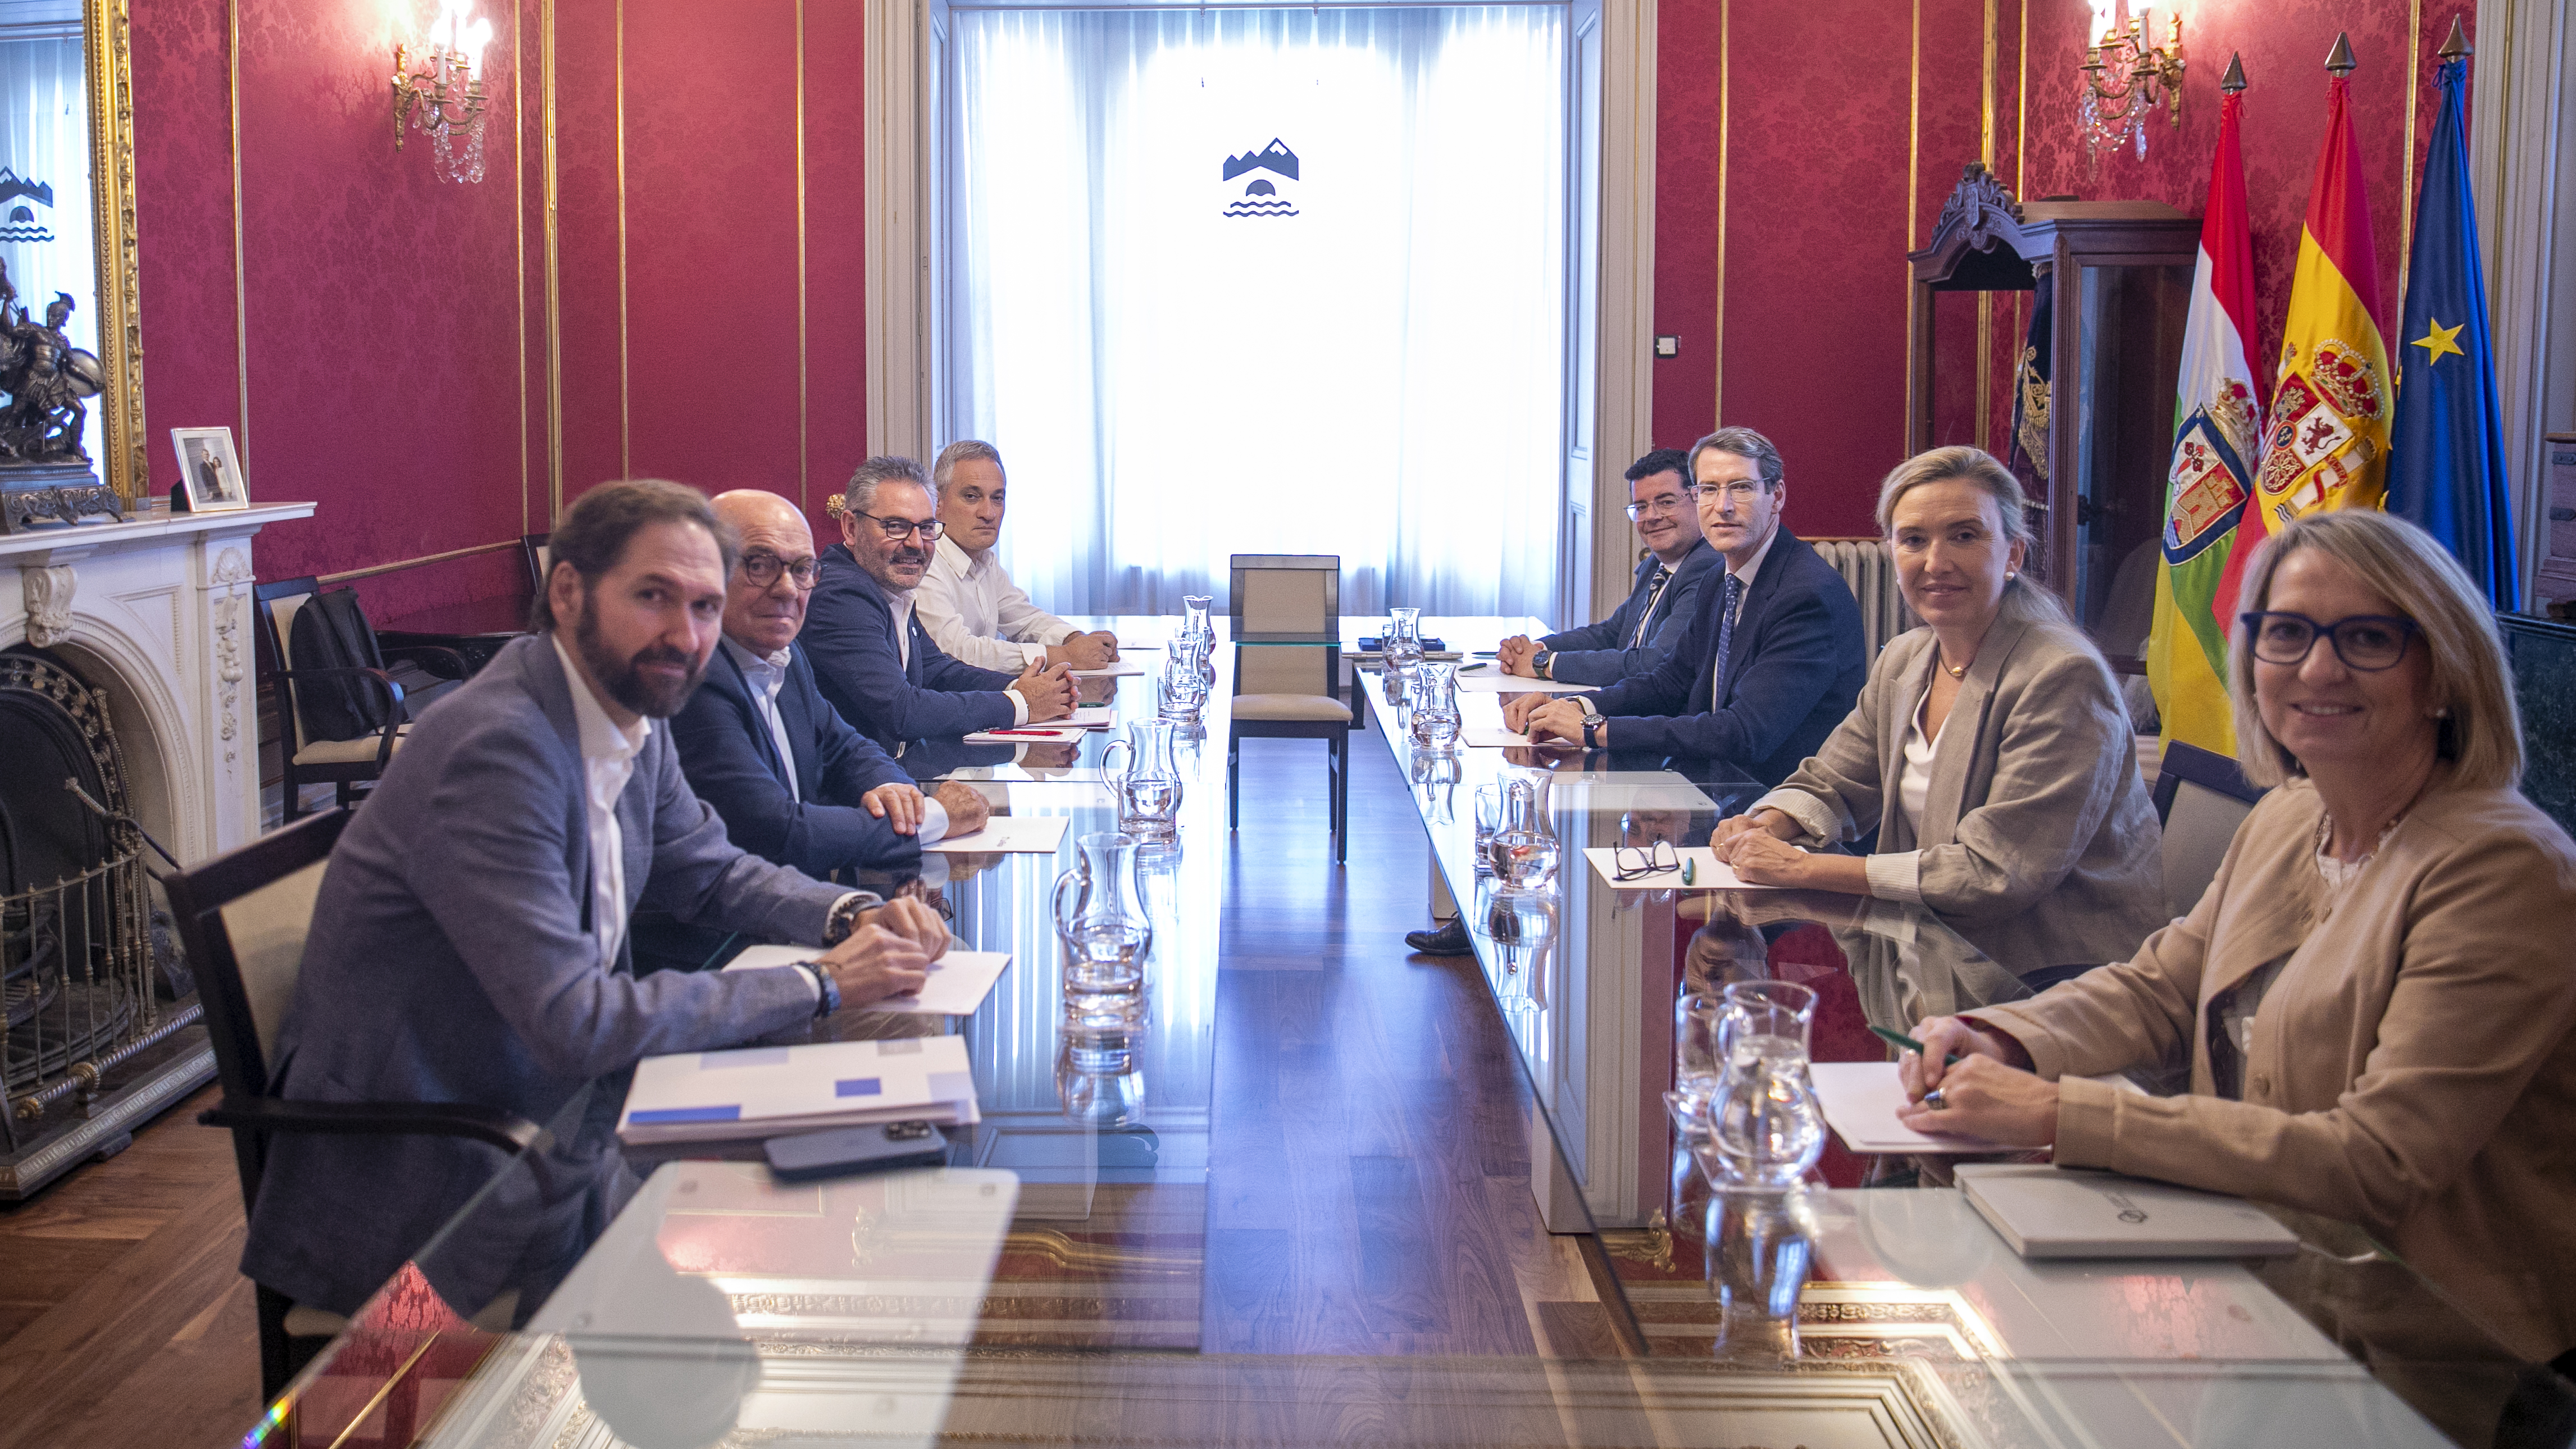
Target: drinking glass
<point x="1179" y="693"/>
<point x="1765" y="1126"/>
<point x="1699" y="1066"/>
<point x="1760" y="1247"/>
<point x="1144" y="781"/>
<point x="1099" y="1070"/>
<point x="1489" y="818"/>
<point x="1194" y="618"/>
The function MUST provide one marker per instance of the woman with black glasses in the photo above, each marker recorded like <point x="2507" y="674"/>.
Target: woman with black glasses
<point x="2375" y="996"/>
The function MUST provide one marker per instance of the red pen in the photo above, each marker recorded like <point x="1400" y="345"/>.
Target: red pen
<point x="1022" y="734"/>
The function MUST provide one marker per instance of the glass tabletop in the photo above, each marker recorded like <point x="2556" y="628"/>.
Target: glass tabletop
<point x="1046" y="1282"/>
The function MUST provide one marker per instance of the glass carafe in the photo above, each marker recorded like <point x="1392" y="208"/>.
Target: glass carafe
<point x="1759" y="1249"/>
<point x="1103" y="926"/>
<point x="1403" y="641"/>
<point x="1145" y="783"/>
<point x="1179" y="691"/>
<point x="1435" y="707"/>
<point x="1525" y="848"/>
<point x="1195" y="626"/>
<point x="1765" y="1125"/>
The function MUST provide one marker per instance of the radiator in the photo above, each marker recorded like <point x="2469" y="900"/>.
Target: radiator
<point x="1863" y="564"/>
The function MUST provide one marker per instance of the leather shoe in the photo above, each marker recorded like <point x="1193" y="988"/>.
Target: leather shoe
<point x="1448" y="940"/>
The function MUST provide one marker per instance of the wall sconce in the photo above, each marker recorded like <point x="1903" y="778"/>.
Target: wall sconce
<point x="2124" y="78"/>
<point x="443" y="94"/>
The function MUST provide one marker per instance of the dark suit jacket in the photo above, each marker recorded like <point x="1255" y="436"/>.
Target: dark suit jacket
<point x="731" y="759"/>
<point x="1794" y="669"/>
<point x="849" y="637"/>
<point x="1598" y="653"/>
<point x="450" y="959"/>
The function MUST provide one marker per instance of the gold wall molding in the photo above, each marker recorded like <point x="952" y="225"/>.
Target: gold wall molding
<point x="372" y="570"/>
<point x="1913" y="199"/>
<point x="804" y="456"/>
<point x="519" y="231"/>
<point x="116" y="256"/>
<point x="625" y="403"/>
<point x="554" y="273"/>
<point x="1725" y="149"/>
<point x="241" y="265"/>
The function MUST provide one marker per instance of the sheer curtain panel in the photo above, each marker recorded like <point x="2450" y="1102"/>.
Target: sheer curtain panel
<point x="1275" y="281"/>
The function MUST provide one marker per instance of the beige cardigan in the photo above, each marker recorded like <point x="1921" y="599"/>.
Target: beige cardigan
<point x="2412" y="1068"/>
<point x="2038" y="842"/>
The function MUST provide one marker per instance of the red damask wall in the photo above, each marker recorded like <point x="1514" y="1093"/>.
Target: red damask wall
<point x="1824" y="119"/>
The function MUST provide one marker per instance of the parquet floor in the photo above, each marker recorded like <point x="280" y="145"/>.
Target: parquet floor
<point x="1369" y="1188"/>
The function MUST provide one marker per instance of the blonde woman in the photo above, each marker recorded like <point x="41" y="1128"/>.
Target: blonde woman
<point x="2375" y="994"/>
<point x="1989" y="749"/>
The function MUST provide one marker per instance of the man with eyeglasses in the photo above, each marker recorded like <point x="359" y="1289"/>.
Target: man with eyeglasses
<point x="1772" y="660"/>
<point x="791" y="780"/>
<point x="873" y="656"/>
<point x="1651" y="620"/>
<point x="967" y="599"/>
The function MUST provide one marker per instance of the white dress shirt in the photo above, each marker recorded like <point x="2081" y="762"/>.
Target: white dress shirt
<point x="608" y="762"/>
<point x="767" y="674"/>
<point x="974" y="611"/>
<point x="904" y="601"/>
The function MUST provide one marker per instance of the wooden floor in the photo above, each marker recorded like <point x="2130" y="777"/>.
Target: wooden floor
<point x="1370" y="1175"/>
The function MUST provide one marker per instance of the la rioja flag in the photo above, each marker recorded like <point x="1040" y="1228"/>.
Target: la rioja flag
<point x="2218" y="433"/>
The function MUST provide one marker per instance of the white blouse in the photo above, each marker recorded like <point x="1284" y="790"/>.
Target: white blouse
<point x="1914" y="781"/>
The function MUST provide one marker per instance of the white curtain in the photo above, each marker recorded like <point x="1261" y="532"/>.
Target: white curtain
<point x="1364" y="358"/>
<point x="44" y="143"/>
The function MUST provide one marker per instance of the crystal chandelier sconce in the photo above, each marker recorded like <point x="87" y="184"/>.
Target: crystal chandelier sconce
<point x="439" y="88"/>
<point x="2125" y="78"/>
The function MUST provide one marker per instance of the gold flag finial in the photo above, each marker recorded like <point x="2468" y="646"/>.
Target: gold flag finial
<point x="2234" y="80"/>
<point x="2458" y="43"/>
<point x="2341" y="62"/>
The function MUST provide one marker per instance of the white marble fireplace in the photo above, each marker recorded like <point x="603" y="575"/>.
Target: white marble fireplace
<point x="158" y="613"/>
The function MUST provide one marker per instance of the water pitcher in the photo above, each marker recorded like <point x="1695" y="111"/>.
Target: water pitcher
<point x="1403" y="642"/>
<point x="1525" y="848"/>
<point x="1194" y="619"/>
<point x="1435" y="706"/>
<point x="1765" y="1125"/>
<point x="1145" y="782"/>
<point x="1102" y="924"/>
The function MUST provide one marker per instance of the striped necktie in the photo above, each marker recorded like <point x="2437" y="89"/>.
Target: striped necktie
<point x="1726" y="609"/>
<point x="1654" y="596"/>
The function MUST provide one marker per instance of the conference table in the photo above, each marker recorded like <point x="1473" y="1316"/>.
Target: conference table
<point x="1045" y="1284"/>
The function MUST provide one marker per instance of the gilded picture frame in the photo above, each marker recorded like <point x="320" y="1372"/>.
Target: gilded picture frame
<point x="116" y="442"/>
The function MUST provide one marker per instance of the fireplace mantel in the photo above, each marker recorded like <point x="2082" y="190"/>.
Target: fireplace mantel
<point x="157" y="612"/>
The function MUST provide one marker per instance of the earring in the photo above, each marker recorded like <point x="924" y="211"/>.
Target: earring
<point x="2442" y="713"/>
<point x="2009" y="576"/>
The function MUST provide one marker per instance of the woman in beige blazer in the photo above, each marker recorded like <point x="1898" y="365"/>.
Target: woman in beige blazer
<point x="2375" y="995"/>
<point x="1989" y="749"/>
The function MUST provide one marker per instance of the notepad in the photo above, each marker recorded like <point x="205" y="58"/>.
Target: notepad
<point x="1008" y="835"/>
<point x="2053" y="1212"/>
<point x="1094" y="716"/>
<point x="958" y="984"/>
<point x="1122" y="667"/>
<point x="1707" y="872"/>
<point x="1485" y="737"/>
<point x="758" y="1092"/>
<point x="1491" y="680"/>
<point x="1028" y="735"/>
<point x="1861" y="1100"/>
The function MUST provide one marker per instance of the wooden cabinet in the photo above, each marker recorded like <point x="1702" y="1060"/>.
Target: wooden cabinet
<point x="2116" y="279"/>
<point x="2557" y="582"/>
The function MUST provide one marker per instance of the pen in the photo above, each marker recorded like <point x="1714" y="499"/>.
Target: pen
<point x="1690" y="870"/>
<point x="1022" y="734"/>
<point x="1910" y="1044"/>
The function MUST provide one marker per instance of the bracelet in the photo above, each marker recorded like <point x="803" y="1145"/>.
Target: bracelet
<point x="827" y="992"/>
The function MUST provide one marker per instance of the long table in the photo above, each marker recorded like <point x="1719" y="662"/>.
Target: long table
<point x="1045" y="1284"/>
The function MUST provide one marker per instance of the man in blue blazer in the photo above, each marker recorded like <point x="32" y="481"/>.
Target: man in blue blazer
<point x="792" y="781"/>
<point x="1642" y="631"/>
<point x="1772" y="660"/>
<point x="469" y="942"/>
<point x="872" y="656"/>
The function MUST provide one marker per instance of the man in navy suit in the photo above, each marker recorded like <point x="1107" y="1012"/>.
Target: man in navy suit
<point x="1641" y="632"/>
<point x="1773" y="658"/>
<point x="792" y="781"/>
<point x="470" y="939"/>
<point x="872" y="656"/>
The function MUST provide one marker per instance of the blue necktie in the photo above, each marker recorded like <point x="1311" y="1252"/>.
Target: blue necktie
<point x="1726" y="607"/>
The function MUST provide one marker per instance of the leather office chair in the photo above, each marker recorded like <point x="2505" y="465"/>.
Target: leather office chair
<point x="2201" y="797"/>
<point x="242" y="917"/>
<point x="1291" y="690"/>
<point x="413" y="676"/>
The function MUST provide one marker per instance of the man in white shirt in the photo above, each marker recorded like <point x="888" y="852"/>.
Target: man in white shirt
<point x="968" y="601"/>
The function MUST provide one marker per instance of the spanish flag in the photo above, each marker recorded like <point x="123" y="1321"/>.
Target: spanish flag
<point x="2327" y="446"/>
<point x="2218" y="435"/>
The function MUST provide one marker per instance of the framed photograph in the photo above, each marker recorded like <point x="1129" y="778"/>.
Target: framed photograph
<point x="210" y="476"/>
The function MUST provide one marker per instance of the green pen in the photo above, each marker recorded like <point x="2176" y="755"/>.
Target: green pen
<point x="1909" y="1043"/>
<point x="1690" y="869"/>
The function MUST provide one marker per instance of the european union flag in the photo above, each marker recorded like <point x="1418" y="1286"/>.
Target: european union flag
<point x="2446" y="469"/>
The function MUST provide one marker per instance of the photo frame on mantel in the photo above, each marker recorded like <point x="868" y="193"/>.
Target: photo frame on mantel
<point x="210" y="474"/>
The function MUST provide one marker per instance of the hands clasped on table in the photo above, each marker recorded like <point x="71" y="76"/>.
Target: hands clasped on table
<point x="1048" y="689"/>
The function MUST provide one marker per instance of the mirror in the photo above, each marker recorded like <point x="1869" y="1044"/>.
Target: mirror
<point x="75" y="411"/>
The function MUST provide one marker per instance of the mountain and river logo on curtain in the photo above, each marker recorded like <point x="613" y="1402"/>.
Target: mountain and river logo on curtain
<point x="23" y="223"/>
<point x="1261" y="195"/>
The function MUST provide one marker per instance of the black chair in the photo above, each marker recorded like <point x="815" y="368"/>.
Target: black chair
<point x="412" y="677"/>
<point x="2201" y="796"/>
<point x="242" y="918"/>
<point x="1291" y="686"/>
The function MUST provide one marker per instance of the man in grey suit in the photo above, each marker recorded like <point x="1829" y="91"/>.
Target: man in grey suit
<point x="469" y="940"/>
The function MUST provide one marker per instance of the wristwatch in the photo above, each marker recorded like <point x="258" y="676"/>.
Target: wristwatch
<point x="1540" y="661"/>
<point x="844" y="917"/>
<point x="1592" y="717"/>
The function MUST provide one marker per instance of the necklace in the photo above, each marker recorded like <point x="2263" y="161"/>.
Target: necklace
<point x="1955" y="671"/>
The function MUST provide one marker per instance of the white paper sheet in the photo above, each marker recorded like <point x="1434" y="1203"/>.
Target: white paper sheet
<point x="1860" y="1101"/>
<point x="1033" y="735"/>
<point x="957" y="986"/>
<point x="1487" y="737"/>
<point x="1492" y="680"/>
<point x="1121" y="668"/>
<point x="1706" y="872"/>
<point x="1009" y="835"/>
<point x="1093" y="716"/>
